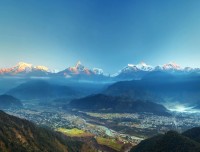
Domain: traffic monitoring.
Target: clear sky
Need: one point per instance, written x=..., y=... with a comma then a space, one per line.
x=107, y=34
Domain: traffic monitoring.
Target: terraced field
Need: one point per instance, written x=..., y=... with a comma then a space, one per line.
x=112, y=143
x=74, y=132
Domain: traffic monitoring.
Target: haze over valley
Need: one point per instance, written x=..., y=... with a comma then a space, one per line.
x=97, y=108
x=99, y=76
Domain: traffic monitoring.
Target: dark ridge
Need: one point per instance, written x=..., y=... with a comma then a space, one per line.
x=171, y=141
x=159, y=87
x=193, y=133
x=7, y=101
x=19, y=135
x=105, y=103
x=40, y=89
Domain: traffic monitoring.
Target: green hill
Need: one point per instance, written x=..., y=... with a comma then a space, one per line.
x=171, y=142
x=18, y=135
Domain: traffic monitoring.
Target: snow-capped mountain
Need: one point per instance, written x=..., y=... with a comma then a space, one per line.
x=145, y=67
x=98, y=71
x=171, y=66
x=80, y=70
x=137, y=71
x=133, y=71
x=137, y=67
x=23, y=68
x=189, y=69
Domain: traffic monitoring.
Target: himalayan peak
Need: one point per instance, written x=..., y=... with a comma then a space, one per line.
x=172, y=65
x=80, y=69
x=23, y=67
x=145, y=67
x=137, y=67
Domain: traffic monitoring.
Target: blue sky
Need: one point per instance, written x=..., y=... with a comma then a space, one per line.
x=107, y=34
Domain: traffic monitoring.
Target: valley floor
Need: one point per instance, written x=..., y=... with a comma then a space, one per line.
x=110, y=129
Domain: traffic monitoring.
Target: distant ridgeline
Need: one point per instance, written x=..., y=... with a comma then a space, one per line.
x=41, y=89
x=160, y=87
x=80, y=72
x=105, y=103
x=7, y=101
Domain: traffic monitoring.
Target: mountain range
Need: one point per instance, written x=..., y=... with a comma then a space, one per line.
x=23, y=69
x=80, y=72
x=159, y=87
x=41, y=89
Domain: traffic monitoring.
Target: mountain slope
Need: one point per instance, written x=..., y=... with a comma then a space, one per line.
x=193, y=133
x=80, y=72
x=25, y=69
x=159, y=86
x=171, y=141
x=105, y=103
x=39, y=89
x=132, y=71
x=20, y=135
x=7, y=101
